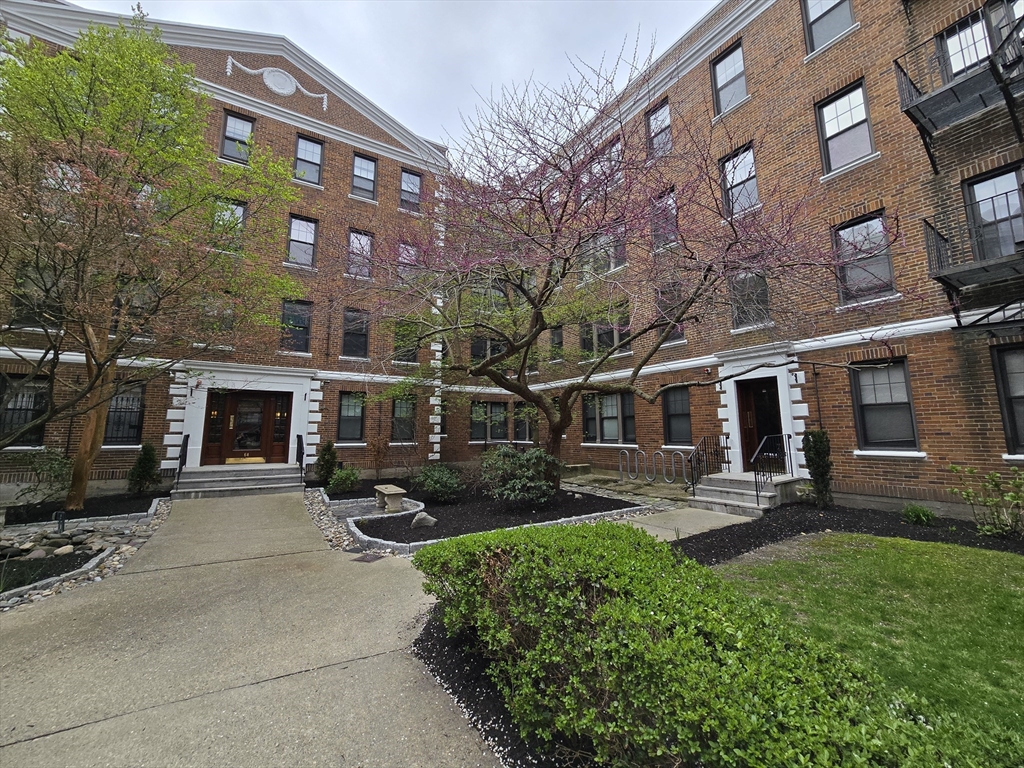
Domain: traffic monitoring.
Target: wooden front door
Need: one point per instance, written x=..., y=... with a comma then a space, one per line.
x=246, y=427
x=759, y=414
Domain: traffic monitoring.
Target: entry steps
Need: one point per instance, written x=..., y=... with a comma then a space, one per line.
x=733, y=493
x=237, y=480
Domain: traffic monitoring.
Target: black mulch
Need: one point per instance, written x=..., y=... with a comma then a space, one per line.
x=19, y=573
x=464, y=674
x=480, y=513
x=96, y=506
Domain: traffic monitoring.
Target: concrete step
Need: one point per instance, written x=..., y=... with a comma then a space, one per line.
x=741, y=508
x=237, y=480
x=742, y=480
x=746, y=495
x=238, y=490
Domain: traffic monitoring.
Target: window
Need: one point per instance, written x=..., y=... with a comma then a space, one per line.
x=302, y=241
x=407, y=343
x=863, y=263
x=360, y=252
x=364, y=177
x=668, y=302
x=739, y=182
x=826, y=20
x=605, y=254
x=408, y=260
x=659, y=131
x=355, y=340
x=488, y=421
x=36, y=298
x=608, y=418
x=1010, y=383
x=749, y=300
x=237, y=135
x=994, y=215
x=308, y=155
x=350, y=417
x=601, y=337
x=730, y=79
x=28, y=403
x=966, y=46
x=481, y=348
x=845, y=131
x=230, y=215
x=555, y=342
x=409, y=196
x=296, y=318
x=523, y=417
x=675, y=408
x=885, y=419
x=403, y=420
x=664, y=224
x=124, y=418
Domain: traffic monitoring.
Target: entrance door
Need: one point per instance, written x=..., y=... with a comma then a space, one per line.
x=246, y=427
x=759, y=414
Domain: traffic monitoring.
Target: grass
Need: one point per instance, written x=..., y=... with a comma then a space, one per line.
x=944, y=621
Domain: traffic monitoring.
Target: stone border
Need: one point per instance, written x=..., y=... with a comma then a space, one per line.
x=71, y=522
x=417, y=506
x=54, y=580
x=399, y=548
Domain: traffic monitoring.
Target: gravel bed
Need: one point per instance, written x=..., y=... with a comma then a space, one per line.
x=333, y=528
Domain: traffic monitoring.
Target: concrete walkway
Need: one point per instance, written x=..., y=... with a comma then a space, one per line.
x=684, y=521
x=235, y=637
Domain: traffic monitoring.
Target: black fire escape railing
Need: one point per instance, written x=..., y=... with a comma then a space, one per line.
x=182, y=458
x=770, y=460
x=710, y=456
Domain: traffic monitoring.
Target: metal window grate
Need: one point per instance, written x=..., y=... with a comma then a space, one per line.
x=124, y=419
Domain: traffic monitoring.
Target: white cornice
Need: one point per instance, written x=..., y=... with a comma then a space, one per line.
x=62, y=24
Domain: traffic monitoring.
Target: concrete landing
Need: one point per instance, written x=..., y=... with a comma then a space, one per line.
x=680, y=523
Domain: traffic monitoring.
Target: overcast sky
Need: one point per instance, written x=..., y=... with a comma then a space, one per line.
x=424, y=62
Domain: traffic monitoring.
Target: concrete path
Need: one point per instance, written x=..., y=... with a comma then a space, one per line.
x=234, y=637
x=683, y=522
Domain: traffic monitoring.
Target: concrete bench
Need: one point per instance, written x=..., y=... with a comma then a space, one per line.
x=389, y=497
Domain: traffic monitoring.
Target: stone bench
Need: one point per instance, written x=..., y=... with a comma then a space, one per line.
x=389, y=497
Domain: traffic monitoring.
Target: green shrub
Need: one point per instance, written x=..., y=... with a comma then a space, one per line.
x=599, y=638
x=145, y=472
x=52, y=470
x=514, y=475
x=441, y=483
x=916, y=514
x=818, y=455
x=343, y=480
x=997, y=504
x=326, y=462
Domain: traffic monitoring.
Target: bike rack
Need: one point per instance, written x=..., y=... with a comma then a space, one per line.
x=632, y=469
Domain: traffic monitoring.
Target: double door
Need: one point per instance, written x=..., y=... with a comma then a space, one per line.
x=759, y=414
x=246, y=427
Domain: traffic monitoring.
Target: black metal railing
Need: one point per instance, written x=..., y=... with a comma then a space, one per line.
x=182, y=458
x=927, y=67
x=985, y=230
x=770, y=460
x=300, y=453
x=710, y=456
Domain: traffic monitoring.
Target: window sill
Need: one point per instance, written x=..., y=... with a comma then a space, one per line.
x=834, y=41
x=601, y=275
x=665, y=247
x=750, y=328
x=406, y=363
x=310, y=184
x=417, y=214
x=292, y=265
x=1013, y=457
x=891, y=454
x=23, y=448
x=367, y=278
x=354, y=359
x=616, y=356
x=402, y=445
x=731, y=109
x=621, y=446
x=34, y=329
x=677, y=447
x=869, y=302
x=121, y=447
x=736, y=216
x=212, y=347
x=675, y=343
x=289, y=353
x=229, y=161
x=850, y=166
x=350, y=445
x=362, y=199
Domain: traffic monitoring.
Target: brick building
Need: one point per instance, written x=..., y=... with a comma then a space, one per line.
x=890, y=116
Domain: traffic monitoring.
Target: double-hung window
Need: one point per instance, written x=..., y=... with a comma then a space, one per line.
x=522, y=423
x=364, y=177
x=296, y=319
x=675, y=408
x=1010, y=384
x=883, y=411
x=994, y=215
x=664, y=220
x=826, y=20
x=408, y=261
x=608, y=418
x=607, y=253
x=555, y=343
x=409, y=196
x=27, y=403
x=845, y=128
x=302, y=241
x=669, y=299
x=308, y=159
x=730, y=79
x=488, y=421
x=237, y=135
x=739, y=182
x=403, y=420
x=350, y=417
x=601, y=337
x=124, y=418
x=360, y=252
x=407, y=343
x=659, y=131
x=863, y=262
x=749, y=300
x=355, y=341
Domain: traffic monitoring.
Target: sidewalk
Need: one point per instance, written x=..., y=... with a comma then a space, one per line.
x=234, y=637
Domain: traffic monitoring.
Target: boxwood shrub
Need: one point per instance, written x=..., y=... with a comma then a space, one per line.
x=597, y=635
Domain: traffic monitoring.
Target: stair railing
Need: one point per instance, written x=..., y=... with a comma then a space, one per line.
x=182, y=458
x=770, y=460
x=710, y=456
x=300, y=454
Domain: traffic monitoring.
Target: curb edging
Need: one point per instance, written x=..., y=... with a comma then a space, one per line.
x=54, y=580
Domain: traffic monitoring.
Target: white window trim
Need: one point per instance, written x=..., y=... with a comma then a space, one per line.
x=349, y=445
x=676, y=448
x=1013, y=457
x=23, y=448
x=749, y=328
x=620, y=446
x=732, y=108
x=869, y=454
x=308, y=184
x=393, y=445
x=121, y=447
x=851, y=166
x=841, y=36
x=363, y=200
x=674, y=343
x=354, y=359
x=869, y=302
x=417, y=214
x=303, y=267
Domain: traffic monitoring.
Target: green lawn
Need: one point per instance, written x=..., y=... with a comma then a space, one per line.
x=946, y=622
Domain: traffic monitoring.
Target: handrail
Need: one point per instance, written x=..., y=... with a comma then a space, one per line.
x=709, y=457
x=300, y=453
x=772, y=458
x=182, y=458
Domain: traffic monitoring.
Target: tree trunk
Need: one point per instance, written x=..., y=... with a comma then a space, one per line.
x=554, y=449
x=91, y=441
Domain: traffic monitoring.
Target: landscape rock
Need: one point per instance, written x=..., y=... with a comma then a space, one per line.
x=67, y=549
x=423, y=520
x=36, y=554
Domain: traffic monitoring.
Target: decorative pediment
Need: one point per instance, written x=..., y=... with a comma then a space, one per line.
x=277, y=80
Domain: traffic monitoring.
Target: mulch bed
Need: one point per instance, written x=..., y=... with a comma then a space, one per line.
x=19, y=573
x=464, y=674
x=477, y=512
x=96, y=506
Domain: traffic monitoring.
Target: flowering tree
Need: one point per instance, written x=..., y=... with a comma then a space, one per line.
x=124, y=246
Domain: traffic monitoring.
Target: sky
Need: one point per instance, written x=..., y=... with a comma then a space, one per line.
x=427, y=62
